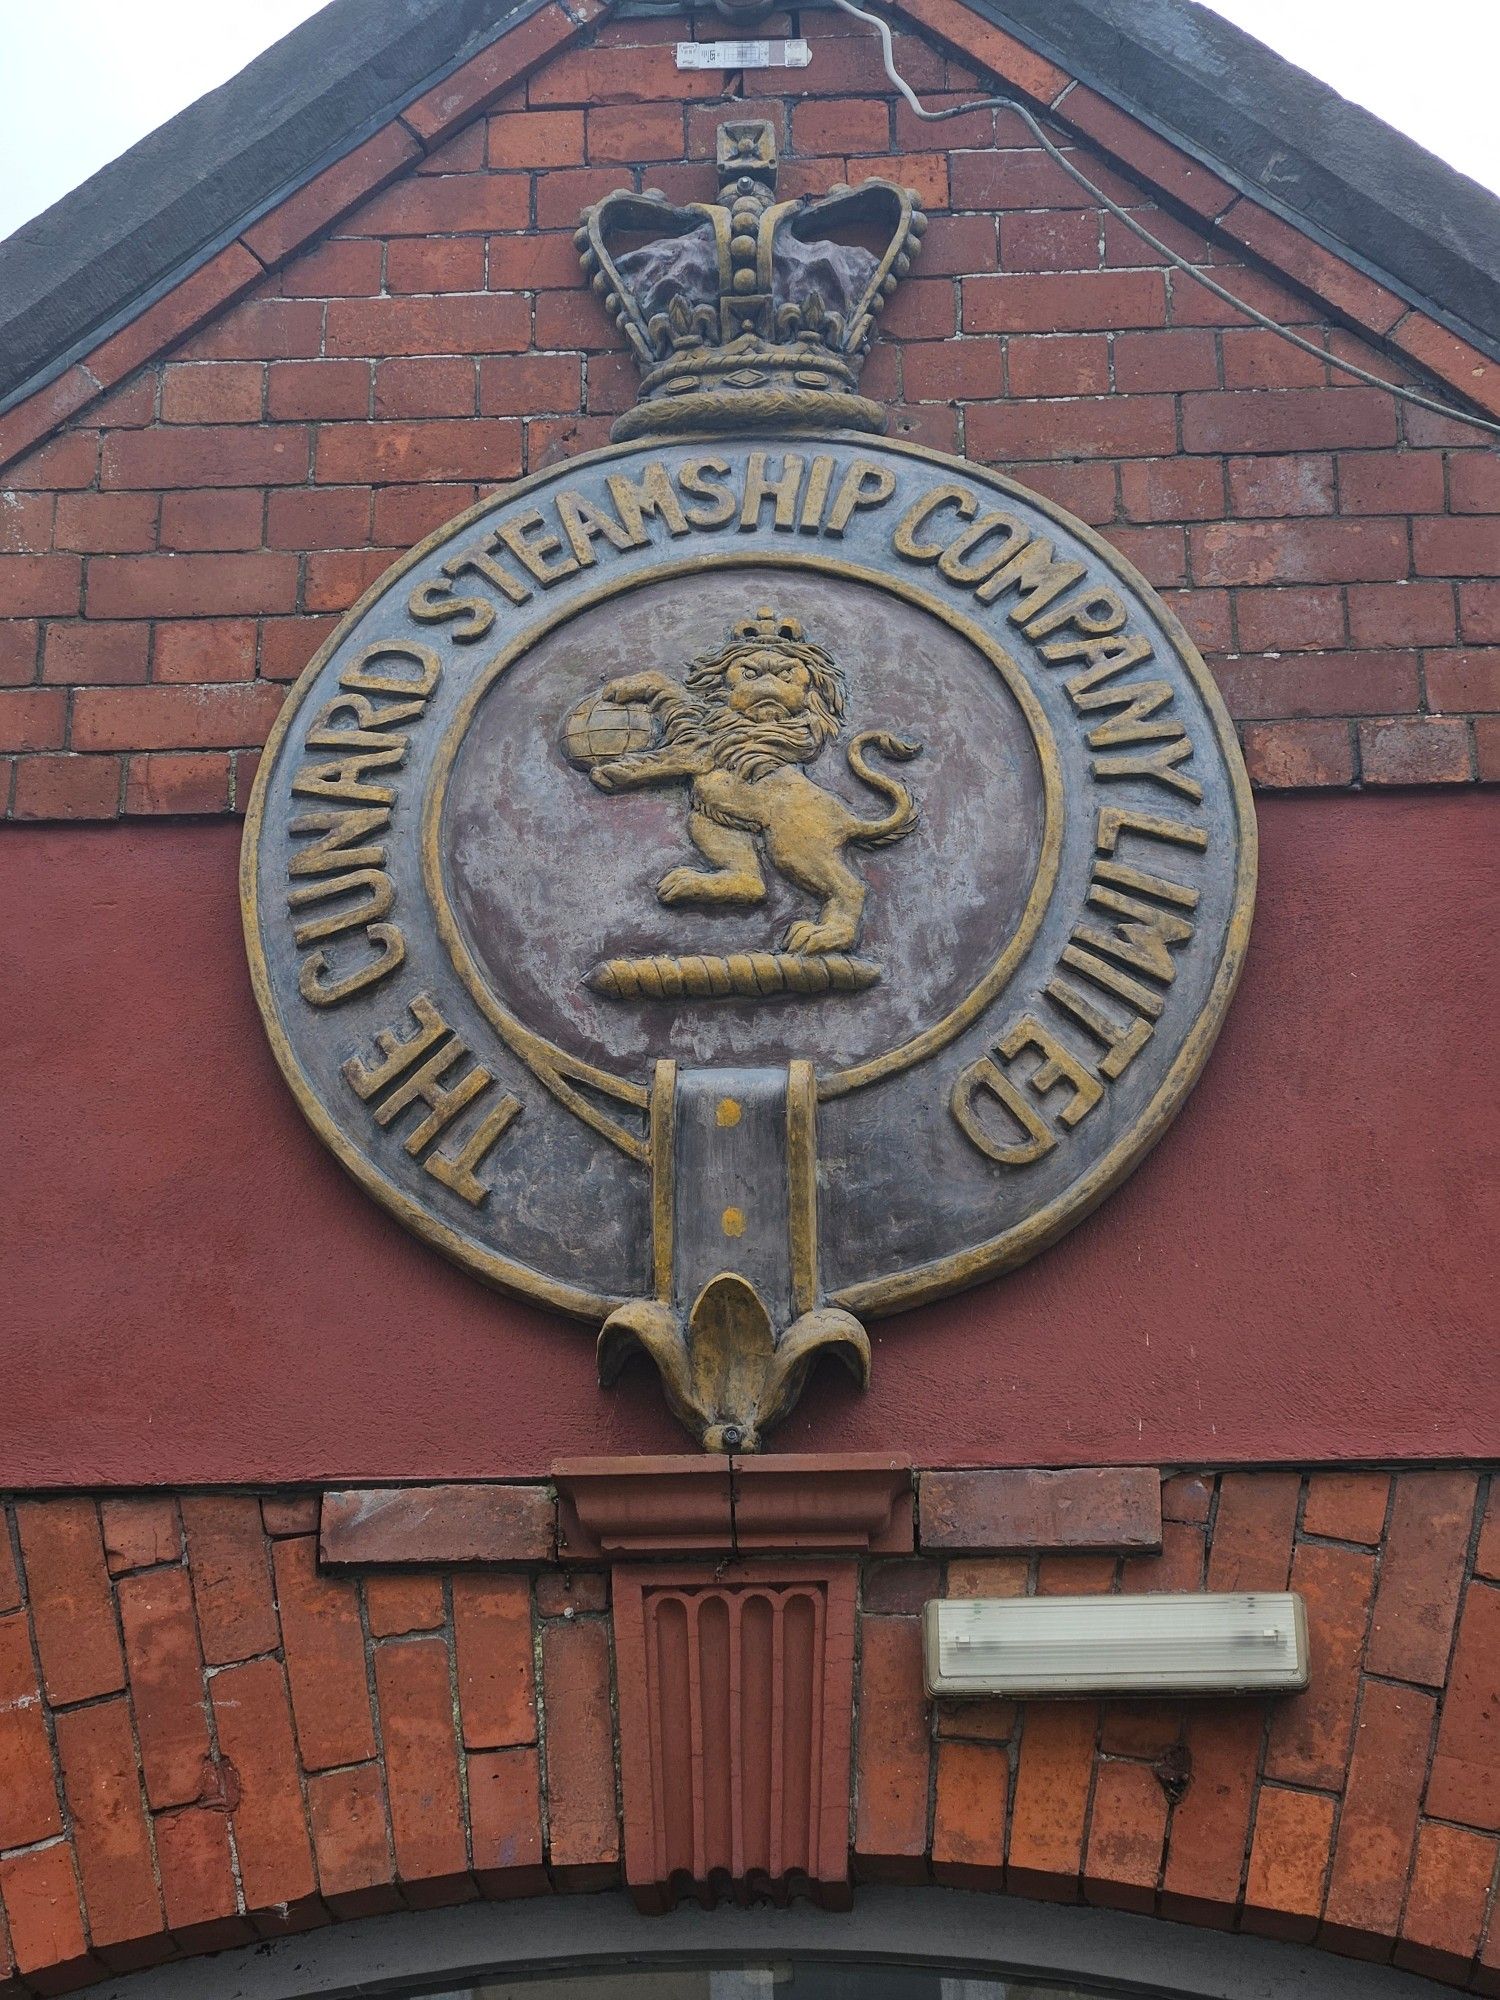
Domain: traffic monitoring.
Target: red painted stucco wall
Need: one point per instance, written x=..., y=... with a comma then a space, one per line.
x=1298, y=1273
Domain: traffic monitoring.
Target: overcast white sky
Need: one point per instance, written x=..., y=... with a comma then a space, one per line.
x=81, y=80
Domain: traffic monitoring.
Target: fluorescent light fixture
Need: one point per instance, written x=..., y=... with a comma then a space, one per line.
x=1237, y=1642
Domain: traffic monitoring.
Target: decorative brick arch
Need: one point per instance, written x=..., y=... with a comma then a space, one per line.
x=207, y=1737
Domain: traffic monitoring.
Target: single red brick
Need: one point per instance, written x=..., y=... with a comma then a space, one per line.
x=959, y=245
x=421, y=1758
x=626, y=133
x=325, y=1658
x=581, y=1804
x=212, y=392
x=1051, y=1799
x=1288, y=1859
x=901, y=1588
x=435, y=264
x=952, y=370
x=563, y=191
x=1319, y=684
x=1378, y=1822
x=1172, y=489
x=243, y=765
x=1415, y=750
x=1076, y=1576
x=492, y=1634
x=346, y=268
x=173, y=718
x=1298, y=756
x=192, y=1859
x=1300, y=551
x=10, y=1579
x=351, y=1833
x=405, y=514
x=1465, y=1781
x=97, y=1752
x=1456, y=547
x=18, y=651
x=32, y=718
x=1179, y=1566
x=1299, y=484
x=287, y=644
x=1176, y=359
x=1187, y=1496
x=1451, y=359
x=204, y=649
x=1252, y=1539
x=438, y=1524
x=1080, y=302
x=1479, y=612
x=1444, y=1916
x=1127, y=1828
x=1074, y=364
x=572, y=319
x=1085, y=490
x=1296, y=619
x=1011, y=176
x=1085, y=427
x=331, y=193
x=231, y=1584
x=1347, y=1506
x=1487, y=1554
x=1310, y=1732
x=28, y=1789
x=260, y=330
x=1401, y=614
x=128, y=407
x=528, y=384
x=989, y=1576
x=422, y=387
x=188, y=586
x=1463, y=680
x=1050, y=240
x=505, y=1814
x=211, y=519
x=1391, y=482
x=1210, y=1826
x=319, y=389
x=207, y=455
x=1205, y=613
x=334, y=578
x=290, y=1513
x=40, y=1899
x=599, y=76
x=401, y=452
x=840, y=125
x=540, y=261
x=565, y=1593
x=105, y=523
x=72, y=1609
x=66, y=787
x=397, y=1604
x=254, y=1722
x=320, y=517
x=1473, y=484
x=441, y=205
x=968, y=1824
x=42, y=586
x=1159, y=553
x=95, y=652
x=1255, y=420
x=529, y=140
x=166, y=1683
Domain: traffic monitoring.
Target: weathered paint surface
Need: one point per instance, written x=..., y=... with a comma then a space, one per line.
x=1302, y=1270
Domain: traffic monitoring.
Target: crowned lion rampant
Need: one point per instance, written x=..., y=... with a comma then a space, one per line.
x=739, y=729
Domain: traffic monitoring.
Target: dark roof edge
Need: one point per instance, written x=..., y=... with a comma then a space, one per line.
x=1324, y=164
x=86, y=265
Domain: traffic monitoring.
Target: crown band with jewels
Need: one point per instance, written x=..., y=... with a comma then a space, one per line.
x=747, y=313
x=767, y=626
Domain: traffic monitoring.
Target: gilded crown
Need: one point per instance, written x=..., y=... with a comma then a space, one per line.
x=766, y=626
x=747, y=312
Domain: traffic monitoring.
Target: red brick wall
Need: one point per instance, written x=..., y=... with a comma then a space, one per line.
x=175, y=553
x=190, y=1757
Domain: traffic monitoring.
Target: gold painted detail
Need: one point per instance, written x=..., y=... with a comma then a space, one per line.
x=745, y=975
x=749, y=313
x=737, y=730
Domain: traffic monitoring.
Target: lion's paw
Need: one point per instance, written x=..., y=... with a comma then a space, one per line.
x=810, y=937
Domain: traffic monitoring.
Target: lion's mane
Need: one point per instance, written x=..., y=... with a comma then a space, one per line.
x=748, y=747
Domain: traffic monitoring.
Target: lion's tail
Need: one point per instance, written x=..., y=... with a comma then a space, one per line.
x=902, y=817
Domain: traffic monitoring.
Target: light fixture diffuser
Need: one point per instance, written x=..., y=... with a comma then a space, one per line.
x=1235, y=1642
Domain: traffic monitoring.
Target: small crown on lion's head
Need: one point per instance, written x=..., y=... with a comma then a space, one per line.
x=767, y=627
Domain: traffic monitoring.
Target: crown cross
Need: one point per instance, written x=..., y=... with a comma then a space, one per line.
x=749, y=313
